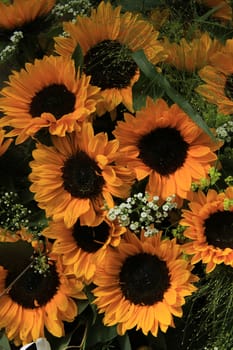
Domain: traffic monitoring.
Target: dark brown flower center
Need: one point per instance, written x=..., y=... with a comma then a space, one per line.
x=219, y=229
x=110, y=65
x=144, y=279
x=33, y=289
x=229, y=87
x=163, y=150
x=91, y=238
x=55, y=99
x=82, y=176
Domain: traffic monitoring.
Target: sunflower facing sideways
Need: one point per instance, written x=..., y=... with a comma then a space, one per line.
x=83, y=247
x=218, y=78
x=76, y=177
x=107, y=40
x=191, y=55
x=164, y=144
x=4, y=142
x=209, y=227
x=46, y=94
x=20, y=12
x=35, y=301
x=142, y=284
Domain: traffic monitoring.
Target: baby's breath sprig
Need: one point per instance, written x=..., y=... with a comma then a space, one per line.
x=41, y=264
x=11, y=48
x=141, y=213
x=13, y=215
x=225, y=132
x=64, y=10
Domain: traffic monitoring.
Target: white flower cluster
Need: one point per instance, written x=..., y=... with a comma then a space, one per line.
x=41, y=265
x=13, y=215
x=71, y=9
x=139, y=213
x=225, y=131
x=12, y=47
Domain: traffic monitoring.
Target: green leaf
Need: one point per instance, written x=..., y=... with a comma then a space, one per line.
x=139, y=5
x=142, y=88
x=77, y=56
x=82, y=305
x=98, y=333
x=158, y=342
x=124, y=342
x=90, y=296
x=4, y=343
x=210, y=12
x=58, y=343
x=162, y=83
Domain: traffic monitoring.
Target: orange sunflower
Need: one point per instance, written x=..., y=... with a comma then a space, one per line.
x=83, y=247
x=20, y=12
x=47, y=94
x=77, y=176
x=4, y=143
x=218, y=77
x=36, y=301
x=210, y=222
x=191, y=55
x=107, y=40
x=143, y=284
x=164, y=144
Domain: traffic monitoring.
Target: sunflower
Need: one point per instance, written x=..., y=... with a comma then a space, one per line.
x=218, y=77
x=83, y=247
x=19, y=12
x=36, y=301
x=107, y=40
x=165, y=144
x=4, y=143
x=142, y=284
x=77, y=176
x=210, y=222
x=47, y=94
x=191, y=55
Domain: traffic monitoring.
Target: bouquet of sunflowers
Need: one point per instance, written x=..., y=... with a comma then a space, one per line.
x=116, y=175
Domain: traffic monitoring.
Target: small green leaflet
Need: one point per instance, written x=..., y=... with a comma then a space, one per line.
x=77, y=56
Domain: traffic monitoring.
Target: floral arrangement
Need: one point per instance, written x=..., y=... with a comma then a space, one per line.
x=116, y=175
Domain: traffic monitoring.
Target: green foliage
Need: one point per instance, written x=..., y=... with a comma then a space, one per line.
x=210, y=319
x=208, y=314
x=4, y=343
x=187, y=18
x=124, y=342
x=145, y=87
x=77, y=56
x=141, y=6
x=148, y=69
x=98, y=333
